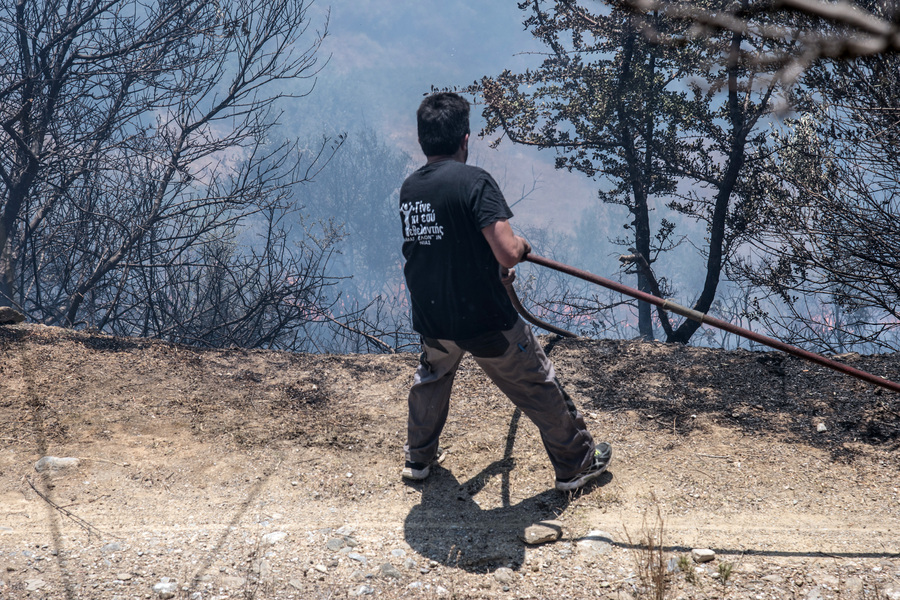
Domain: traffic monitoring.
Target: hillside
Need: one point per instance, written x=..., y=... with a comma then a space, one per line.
x=255, y=474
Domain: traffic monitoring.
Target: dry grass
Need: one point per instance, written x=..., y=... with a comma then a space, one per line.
x=650, y=558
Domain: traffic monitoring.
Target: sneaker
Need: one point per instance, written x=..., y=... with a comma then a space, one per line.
x=419, y=471
x=598, y=466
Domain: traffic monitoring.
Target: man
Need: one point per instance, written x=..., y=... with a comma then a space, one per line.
x=458, y=244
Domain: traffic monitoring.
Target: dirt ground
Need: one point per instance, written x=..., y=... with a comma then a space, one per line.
x=255, y=474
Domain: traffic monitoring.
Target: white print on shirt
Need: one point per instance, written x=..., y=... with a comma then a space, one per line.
x=420, y=222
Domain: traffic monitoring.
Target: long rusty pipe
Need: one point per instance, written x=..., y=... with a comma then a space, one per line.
x=517, y=304
x=708, y=320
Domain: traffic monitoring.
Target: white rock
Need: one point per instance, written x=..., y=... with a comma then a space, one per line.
x=702, y=555
x=854, y=586
x=504, y=575
x=335, y=544
x=33, y=585
x=363, y=590
x=270, y=539
x=821, y=428
x=542, y=532
x=389, y=571
x=111, y=547
x=815, y=594
x=55, y=463
x=166, y=588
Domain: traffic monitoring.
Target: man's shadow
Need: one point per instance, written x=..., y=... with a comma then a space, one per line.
x=448, y=525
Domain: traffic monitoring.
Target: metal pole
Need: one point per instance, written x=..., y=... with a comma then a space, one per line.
x=708, y=320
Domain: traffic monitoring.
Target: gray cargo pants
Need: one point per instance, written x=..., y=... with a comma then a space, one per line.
x=524, y=373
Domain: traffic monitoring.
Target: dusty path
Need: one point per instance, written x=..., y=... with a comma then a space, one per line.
x=261, y=474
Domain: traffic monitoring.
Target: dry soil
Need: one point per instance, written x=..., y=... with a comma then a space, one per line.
x=262, y=474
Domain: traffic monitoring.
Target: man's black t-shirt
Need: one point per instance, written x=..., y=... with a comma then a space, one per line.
x=451, y=273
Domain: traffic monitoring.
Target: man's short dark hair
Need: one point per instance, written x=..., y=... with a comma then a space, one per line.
x=443, y=120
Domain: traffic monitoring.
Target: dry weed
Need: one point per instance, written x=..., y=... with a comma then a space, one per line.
x=649, y=556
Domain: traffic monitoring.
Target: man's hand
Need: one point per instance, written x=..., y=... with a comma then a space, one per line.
x=507, y=276
x=527, y=250
x=509, y=249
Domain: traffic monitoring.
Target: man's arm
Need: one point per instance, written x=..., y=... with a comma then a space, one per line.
x=509, y=249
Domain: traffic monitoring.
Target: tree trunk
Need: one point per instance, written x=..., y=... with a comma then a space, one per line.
x=726, y=187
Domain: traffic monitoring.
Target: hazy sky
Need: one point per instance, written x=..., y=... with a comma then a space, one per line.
x=385, y=54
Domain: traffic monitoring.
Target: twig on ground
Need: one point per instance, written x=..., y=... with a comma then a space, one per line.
x=78, y=520
x=702, y=472
x=103, y=460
